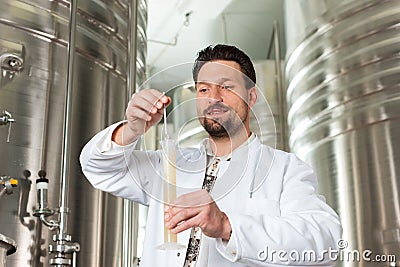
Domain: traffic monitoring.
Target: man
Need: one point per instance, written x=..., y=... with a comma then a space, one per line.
x=240, y=203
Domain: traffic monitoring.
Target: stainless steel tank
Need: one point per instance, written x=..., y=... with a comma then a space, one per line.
x=33, y=40
x=344, y=105
x=299, y=15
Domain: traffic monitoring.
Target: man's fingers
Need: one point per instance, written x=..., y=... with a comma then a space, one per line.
x=147, y=105
x=161, y=97
x=156, y=117
x=144, y=110
x=146, y=102
x=185, y=225
x=195, y=199
x=174, y=218
x=137, y=113
x=154, y=97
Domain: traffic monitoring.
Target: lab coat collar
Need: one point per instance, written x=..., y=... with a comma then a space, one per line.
x=240, y=170
x=207, y=148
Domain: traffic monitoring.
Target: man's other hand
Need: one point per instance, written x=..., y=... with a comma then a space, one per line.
x=197, y=209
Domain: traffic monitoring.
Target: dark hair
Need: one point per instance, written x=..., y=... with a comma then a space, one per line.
x=226, y=52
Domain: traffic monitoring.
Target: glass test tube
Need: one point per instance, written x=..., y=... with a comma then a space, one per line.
x=169, y=190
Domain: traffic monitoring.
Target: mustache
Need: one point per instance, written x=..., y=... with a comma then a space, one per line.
x=217, y=106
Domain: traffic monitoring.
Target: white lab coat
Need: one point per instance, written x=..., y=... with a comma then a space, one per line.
x=268, y=195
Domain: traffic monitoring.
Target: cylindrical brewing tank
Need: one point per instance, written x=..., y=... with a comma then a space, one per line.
x=33, y=50
x=344, y=105
x=265, y=121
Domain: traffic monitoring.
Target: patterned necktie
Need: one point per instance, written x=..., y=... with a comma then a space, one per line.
x=193, y=249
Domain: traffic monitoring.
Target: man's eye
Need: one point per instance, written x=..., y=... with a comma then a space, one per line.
x=227, y=87
x=202, y=90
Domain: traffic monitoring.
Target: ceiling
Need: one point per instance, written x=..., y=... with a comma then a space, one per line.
x=178, y=29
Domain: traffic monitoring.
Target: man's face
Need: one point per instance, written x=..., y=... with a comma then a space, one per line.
x=223, y=102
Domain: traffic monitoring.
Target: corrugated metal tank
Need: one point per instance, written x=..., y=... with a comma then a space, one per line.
x=344, y=105
x=35, y=33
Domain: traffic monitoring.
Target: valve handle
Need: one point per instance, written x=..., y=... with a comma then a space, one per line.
x=6, y=118
x=8, y=184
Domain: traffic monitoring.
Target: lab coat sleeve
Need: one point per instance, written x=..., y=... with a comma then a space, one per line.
x=302, y=235
x=119, y=170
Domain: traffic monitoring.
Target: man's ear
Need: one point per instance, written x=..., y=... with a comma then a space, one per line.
x=252, y=96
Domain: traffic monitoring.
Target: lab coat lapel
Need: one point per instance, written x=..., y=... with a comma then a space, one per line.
x=263, y=167
x=233, y=172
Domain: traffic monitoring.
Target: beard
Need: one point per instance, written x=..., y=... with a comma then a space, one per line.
x=214, y=128
x=223, y=127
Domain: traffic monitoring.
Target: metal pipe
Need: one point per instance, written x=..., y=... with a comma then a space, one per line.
x=279, y=84
x=275, y=42
x=132, y=48
x=74, y=259
x=67, y=120
x=43, y=154
x=51, y=224
x=129, y=245
x=224, y=28
x=129, y=225
x=271, y=42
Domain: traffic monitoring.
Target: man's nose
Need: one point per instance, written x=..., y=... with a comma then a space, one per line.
x=215, y=94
